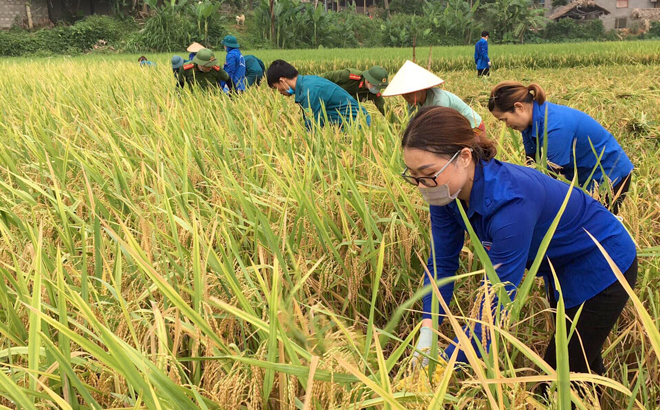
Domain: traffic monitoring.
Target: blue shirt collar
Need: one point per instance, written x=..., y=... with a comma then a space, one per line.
x=536, y=129
x=298, y=92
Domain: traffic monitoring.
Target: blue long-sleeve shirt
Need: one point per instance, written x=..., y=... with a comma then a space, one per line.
x=566, y=125
x=235, y=67
x=481, y=58
x=313, y=93
x=511, y=208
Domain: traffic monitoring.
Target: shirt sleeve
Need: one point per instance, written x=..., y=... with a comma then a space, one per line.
x=231, y=65
x=485, y=47
x=511, y=231
x=223, y=75
x=333, y=76
x=379, y=101
x=476, y=52
x=455, y=102
x=448, y=238
x=561, y=135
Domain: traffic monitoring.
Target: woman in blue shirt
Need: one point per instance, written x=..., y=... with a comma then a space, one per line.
x=524, y=109
x=511, y=208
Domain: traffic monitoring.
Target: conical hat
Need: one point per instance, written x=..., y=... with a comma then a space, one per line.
x=411, y=78
x=195, y=47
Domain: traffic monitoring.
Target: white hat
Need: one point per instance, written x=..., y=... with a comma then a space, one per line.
x=195, y=47
x=411, y=78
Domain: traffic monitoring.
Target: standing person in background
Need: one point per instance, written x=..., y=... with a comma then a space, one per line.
x=318, y=97
x=235, y=63
x=362, y=85
x=254, y=70
x=481, y=58
x=418, y=87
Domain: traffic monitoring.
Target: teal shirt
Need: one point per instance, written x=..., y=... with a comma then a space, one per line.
x=436, y=97
x=313, y=93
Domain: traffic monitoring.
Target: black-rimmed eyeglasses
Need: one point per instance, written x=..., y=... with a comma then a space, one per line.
x=426, y=181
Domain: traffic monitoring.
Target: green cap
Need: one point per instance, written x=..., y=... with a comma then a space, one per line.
x=205, y=58
x=230, y=41
x=377, y=76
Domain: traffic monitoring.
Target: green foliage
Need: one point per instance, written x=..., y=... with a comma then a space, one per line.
x=570, y=30
x=654, y=31
x=176, y=25
x=452, y=22
x=408, y=6
x=510, y=20
x=300, y=25
x=62, y=39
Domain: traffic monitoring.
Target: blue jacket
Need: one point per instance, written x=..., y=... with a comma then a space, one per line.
x=235, y=67
x=481, y=54
x=314, y=93
x=566, y=125
x=510, y=209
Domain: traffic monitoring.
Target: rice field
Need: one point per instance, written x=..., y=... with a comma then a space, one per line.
x=165, y=250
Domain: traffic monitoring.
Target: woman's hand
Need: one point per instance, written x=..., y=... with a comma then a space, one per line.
x=423, y=346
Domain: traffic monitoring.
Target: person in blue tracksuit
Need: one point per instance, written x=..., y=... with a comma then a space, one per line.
x=523, y=108
x=317, y=96
x=511, y=207
x=481, y=58
x=254, y=70
x=235, y=63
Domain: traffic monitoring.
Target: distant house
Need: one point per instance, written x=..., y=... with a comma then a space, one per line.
x=14, y=11
x=362, y=6
x=44, y=12
x=615, y=14
x=646, y=16
x=581, y=10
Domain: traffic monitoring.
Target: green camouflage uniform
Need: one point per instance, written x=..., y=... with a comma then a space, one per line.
x=353, y=82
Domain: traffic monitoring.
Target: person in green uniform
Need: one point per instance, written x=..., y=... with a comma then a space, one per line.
x=254, y=70
x=362, y=85
x=419, y=88
x=204, y=72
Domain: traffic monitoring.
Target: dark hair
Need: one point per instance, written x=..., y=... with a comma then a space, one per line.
x=142, y=58
x=279, y=69
x=485, y=33
x=444, y=131
x=507, y=93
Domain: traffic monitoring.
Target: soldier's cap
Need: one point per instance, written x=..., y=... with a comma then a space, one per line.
x=194, y=47
x=411, y=78
x=230, y=41
x=377, y=76
x=177, y=62
x=205, y=58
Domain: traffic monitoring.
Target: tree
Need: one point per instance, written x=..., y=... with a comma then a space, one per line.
x=511, y=19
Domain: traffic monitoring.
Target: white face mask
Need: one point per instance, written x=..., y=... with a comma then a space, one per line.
x=438, y=195
x=374, y=90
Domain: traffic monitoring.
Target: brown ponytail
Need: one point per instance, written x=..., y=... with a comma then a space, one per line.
x=507, y=93
x=444, y=131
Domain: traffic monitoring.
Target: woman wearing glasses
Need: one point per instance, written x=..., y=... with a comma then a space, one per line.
x=510, y=208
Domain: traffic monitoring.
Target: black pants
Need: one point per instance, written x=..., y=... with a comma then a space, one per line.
x=483, y=71
x=622, y=185
x=597, y=319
